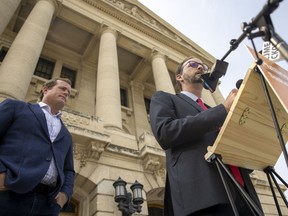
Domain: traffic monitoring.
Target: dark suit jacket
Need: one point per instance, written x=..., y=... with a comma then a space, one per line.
x=185, y=132
x=26, y=150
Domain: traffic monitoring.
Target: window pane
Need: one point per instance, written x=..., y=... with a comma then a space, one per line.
x=147, y=104
x=123, y=96
x=44, y=68
x=69, y=74
x=3, y=53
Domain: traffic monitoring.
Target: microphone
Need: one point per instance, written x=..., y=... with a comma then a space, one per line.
x=238, y=83
x=210, y=80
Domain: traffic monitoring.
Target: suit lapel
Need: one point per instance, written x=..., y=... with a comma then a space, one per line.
x=62, y=132
x=39, y=114
x=36, y=109
x=190, y=101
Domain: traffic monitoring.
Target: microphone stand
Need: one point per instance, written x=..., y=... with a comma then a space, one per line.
x=263, y=22
x=266, y=30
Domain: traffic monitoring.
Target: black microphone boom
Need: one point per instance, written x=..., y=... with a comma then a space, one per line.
x=210, y=80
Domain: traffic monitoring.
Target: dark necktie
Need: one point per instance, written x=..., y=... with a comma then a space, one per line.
x=235, y=170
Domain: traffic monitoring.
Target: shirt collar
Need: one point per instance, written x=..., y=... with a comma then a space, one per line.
x=190, y=95
x=48, y=109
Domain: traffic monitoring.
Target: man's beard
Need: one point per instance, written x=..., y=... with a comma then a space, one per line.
x=196, y=81
x=193, y=79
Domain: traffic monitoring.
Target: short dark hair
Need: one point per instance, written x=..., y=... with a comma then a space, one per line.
x=51, y=83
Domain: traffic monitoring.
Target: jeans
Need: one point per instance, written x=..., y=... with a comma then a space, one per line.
x=28, y=204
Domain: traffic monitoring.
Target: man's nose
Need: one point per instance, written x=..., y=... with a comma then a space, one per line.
x=66, y=93
x=200, y=67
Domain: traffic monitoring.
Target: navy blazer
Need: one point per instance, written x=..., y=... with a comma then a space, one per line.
x=185, y=132
x=26, y=149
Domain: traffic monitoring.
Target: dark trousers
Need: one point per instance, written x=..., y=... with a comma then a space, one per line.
x=217, y=210
x=28, y=204
x=225, y=210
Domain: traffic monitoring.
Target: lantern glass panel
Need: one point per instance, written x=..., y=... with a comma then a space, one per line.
x=120, y=190
x=137, y=193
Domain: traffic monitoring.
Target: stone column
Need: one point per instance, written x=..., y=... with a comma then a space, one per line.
x=57, y=68
x=7, y=9
x=87, y=84
x=108, y=104
x=18, y=66
x=217, y=95
x=208, y=98
x=141, y=116
x=161, y=74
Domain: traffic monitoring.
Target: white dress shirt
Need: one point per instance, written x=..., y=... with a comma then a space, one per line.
x=54, y=127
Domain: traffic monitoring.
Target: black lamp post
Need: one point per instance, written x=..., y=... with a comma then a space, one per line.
x=126, y=204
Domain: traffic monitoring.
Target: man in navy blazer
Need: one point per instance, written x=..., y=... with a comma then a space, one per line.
x=184, y=130
x=36, y=157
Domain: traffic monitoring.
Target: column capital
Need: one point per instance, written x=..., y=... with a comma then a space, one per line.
x=108, y=29
x=157, y=54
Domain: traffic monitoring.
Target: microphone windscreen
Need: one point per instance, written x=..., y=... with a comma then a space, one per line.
x=238, y=83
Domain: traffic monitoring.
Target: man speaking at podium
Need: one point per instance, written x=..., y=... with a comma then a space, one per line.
x=185, y=127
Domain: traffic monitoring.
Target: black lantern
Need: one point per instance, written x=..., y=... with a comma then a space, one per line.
x=126, y=204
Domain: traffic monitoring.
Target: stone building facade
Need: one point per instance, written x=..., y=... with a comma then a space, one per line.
x=117, y=53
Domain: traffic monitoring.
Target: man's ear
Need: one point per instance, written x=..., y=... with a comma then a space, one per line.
x=44, y=89
x=179, y=77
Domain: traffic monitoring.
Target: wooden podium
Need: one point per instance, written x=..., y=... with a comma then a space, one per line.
x=250, y=136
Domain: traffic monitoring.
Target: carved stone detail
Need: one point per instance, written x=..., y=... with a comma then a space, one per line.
x=92, y=151
x=88, y=134
x=81, y=154
x=72, y=118
x=147, y=139
x=151, y=162
x=142, y=16
x=122, y=150
x=96, y=149
x=160, y=176
x=152, y=154
x=80, y=119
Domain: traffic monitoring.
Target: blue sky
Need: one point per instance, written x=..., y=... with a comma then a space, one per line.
x=212, y=24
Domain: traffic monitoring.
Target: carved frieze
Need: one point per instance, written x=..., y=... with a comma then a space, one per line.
x=140, y=15
x=122, y=150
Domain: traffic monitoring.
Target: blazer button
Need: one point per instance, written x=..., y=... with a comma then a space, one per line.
x=48, y=158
